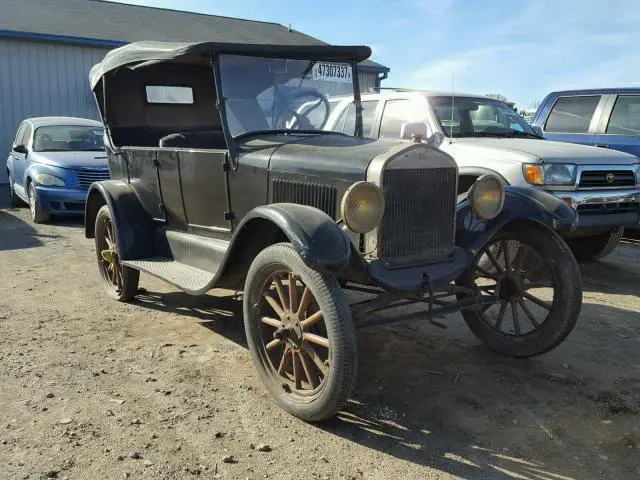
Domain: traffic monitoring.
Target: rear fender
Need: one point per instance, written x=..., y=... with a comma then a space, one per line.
x=528, y=204
x=133, y=227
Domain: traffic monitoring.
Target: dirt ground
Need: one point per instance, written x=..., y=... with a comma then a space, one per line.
x=164, y=388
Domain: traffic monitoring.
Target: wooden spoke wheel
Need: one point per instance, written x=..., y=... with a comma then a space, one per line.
x=536, y=283
x=300, y=333
x=119, y=282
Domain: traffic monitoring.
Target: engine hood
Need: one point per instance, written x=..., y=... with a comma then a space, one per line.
x=327, y=158
x=70, y=159
x=533, y=150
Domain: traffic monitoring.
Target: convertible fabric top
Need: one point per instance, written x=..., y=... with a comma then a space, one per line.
x=156, y=52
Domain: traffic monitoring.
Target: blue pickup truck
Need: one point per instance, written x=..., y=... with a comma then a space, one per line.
x=606, y=118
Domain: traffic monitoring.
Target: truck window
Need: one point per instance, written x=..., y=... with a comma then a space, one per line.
x=368, y=115
x=625, y=118
x=572, y=114
x=397, y=112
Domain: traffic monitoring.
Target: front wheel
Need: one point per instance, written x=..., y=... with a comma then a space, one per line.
x=300, y=334
x=37, y=215
x=15, y=200
x=119, y=282
x=592, y=248
x=533, y=276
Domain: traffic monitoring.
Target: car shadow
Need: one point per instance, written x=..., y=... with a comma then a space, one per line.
x=16, y=234
x=617, y=274
x=424, y=398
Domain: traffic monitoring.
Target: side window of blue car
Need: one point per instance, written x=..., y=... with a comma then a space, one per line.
x=572, y=114
x=625, y=118
x=20, y=134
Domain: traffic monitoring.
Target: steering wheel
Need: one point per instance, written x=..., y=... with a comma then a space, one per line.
x=291, y=119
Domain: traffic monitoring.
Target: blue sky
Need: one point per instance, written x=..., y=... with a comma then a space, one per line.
x=522, y=50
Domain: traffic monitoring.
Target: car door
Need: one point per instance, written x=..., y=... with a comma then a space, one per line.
x=20, y=160
x=619, y=128
x=574, y=118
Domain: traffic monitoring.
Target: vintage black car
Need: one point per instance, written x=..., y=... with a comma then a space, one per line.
x=222, y=176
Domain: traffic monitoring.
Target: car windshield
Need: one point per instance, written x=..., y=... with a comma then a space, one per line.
x=68, y=138
x=479, y=117
x=263, y=94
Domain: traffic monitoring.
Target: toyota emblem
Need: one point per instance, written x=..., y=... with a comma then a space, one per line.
x=611, y=178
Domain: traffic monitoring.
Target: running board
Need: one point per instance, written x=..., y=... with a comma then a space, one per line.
x=190, y=279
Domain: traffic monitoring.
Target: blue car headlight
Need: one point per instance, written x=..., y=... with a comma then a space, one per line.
x=48, y=180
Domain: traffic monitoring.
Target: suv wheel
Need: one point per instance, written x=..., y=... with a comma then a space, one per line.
x=595, y=247
x=538, y=287
x=300, y=334
x=37, y=215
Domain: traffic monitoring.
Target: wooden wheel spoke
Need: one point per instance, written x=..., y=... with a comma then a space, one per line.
x=486, y=273
x=272, y=322
x=494, y=260
x=536, y=300
x=516, y=319
x=309, y=350
x=283, y=361
x=304, y=302
x=528, y=313
x=280, y=289
x=505, y=252
x=503, y=310
x=307, y=370
x=274, y=304
x=293, y=293
x=311, y=320
x=521, y=254
x=297, y=374
x=317, y=339
x=273, y=344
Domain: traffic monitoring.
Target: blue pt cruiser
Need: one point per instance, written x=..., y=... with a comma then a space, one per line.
x=52, y=163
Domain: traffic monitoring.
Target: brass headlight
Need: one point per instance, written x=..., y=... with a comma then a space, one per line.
x=362, y=207
x=487, y=197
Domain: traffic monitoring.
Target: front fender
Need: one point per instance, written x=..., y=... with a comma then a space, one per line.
x=317, y=238
x=133, y=227
x=519, y=204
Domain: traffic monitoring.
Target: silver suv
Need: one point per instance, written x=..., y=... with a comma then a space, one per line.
x=487, y=136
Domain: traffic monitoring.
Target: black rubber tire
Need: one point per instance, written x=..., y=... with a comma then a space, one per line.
x=593, y=248
x=130, y=276
x=37, y=215
x=565, y=311
x=16, y=201
x=340, y=329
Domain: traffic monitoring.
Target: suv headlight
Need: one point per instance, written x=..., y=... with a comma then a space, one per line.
x=48, y=180
x=362, y=207
x=549, y=174
x=486, y=197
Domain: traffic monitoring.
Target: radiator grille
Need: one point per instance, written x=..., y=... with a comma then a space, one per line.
x=323, y=197
x=607, y=178
x=86, y=177
x=419, y=213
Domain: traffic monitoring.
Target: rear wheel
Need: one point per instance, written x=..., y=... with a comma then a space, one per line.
x=15, y=200
x=37, y=215
x=119, y=282
x=536, y=282
x=595, y=247
x=300, y=334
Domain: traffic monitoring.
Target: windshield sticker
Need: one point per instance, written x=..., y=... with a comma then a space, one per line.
x=333, y=72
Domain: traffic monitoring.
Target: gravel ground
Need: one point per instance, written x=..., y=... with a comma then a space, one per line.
x=164, y=388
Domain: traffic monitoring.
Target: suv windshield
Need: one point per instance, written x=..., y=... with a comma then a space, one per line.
x=67, y=138
x=479, y=117
x=280, y=94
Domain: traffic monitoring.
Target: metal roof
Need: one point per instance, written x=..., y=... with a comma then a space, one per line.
x=112, y=24
x=73, y=121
